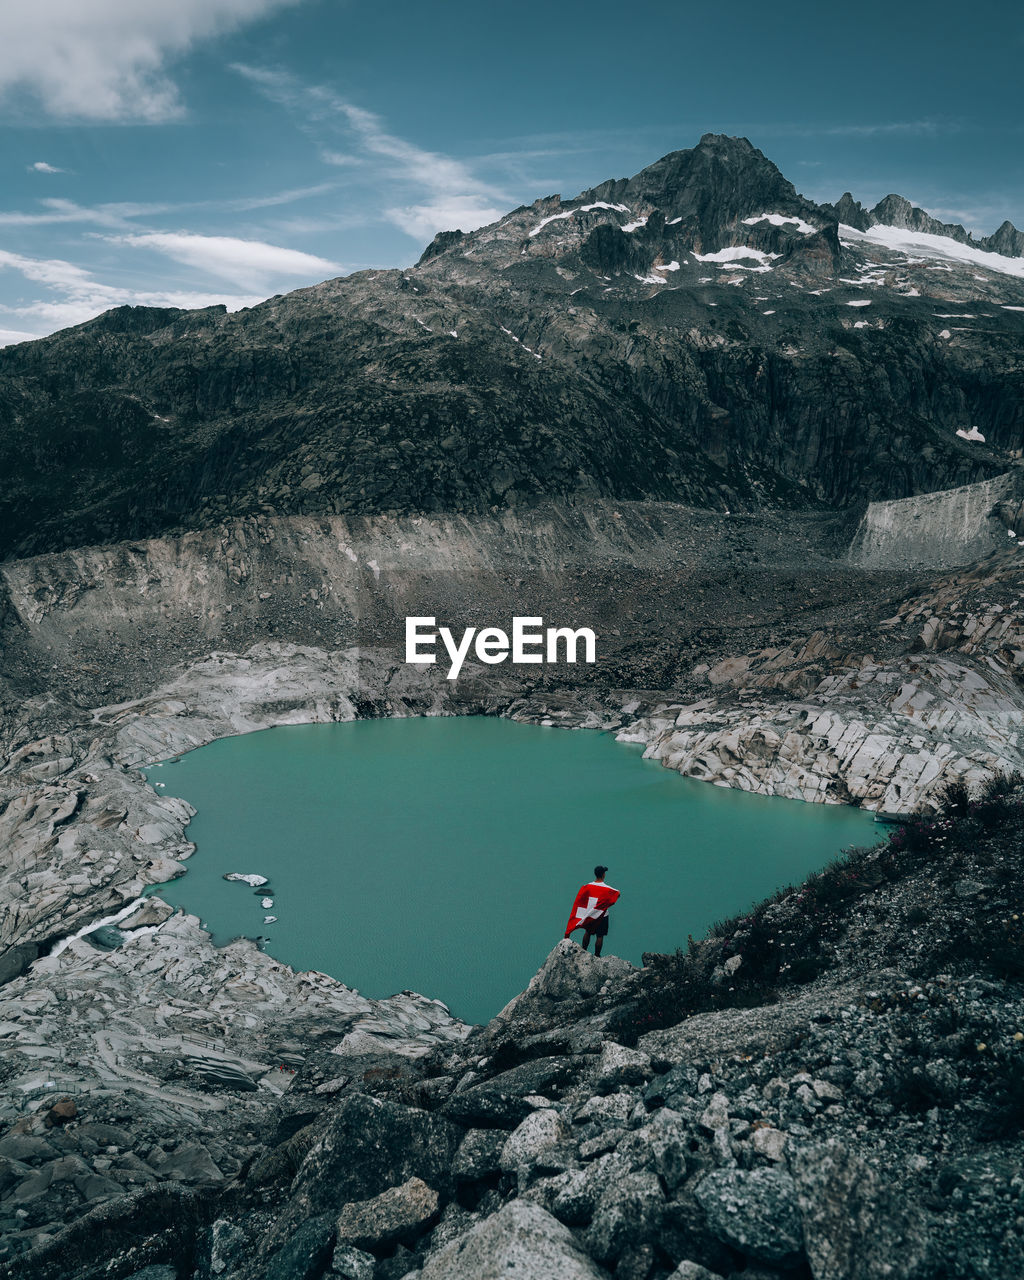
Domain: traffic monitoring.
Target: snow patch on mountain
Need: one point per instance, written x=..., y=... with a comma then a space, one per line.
x=780, y=220
x=901, y=240
x=730, y=259
x=586, y=208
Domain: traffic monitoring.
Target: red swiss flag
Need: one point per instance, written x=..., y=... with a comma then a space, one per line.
x=592, y=902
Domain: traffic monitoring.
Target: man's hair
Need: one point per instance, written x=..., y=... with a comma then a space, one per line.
x=600, y=871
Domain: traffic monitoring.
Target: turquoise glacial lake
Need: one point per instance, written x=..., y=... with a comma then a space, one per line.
x=442, y=855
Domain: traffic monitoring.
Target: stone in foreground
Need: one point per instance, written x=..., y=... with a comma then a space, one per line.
x=522, y=1241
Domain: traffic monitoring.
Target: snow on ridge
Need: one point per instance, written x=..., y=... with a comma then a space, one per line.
x=924, y=242
x=586, y=208
x=780, y=220
x=632, y=226
x=729, y=259
x=860, y=302
x=735, y=251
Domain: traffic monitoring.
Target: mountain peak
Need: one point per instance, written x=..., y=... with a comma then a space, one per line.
x=707, y=187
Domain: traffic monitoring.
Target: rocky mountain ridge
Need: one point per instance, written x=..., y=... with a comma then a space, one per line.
x=897, y=211
x=696, y=333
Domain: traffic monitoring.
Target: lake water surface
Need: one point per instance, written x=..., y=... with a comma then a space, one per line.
x=442, y=855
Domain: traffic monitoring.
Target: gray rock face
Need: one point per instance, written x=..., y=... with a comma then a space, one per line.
x=190, y=1163
x=522, y=1241
x=399, y=1214
x=854, y=1228
x=619, y=1065
x=479, y=1154
x=368, y=1148
x=305, y=1254
x=755, y=1212
x=352, y=1264
x=527, y=1144
x=568, y=973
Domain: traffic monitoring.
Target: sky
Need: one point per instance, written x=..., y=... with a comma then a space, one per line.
x=190, y=152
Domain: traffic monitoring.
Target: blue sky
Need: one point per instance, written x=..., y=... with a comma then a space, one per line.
x=183, y=152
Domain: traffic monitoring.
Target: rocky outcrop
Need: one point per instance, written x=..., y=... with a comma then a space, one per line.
x=939, y=530
x=882, y=736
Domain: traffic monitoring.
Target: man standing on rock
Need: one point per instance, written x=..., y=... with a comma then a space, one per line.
x=590, y=910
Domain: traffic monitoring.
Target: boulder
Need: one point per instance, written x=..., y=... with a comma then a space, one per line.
x=190, y=1163
x=479, y=1155
x=673, y=1089
x=399, y=1214
x=525, y=1147
x=349, y=1263
x=153, y=911
x=576, y=1203
x=521, y=1241
x=16, y=959
x=619, y=1065
x=627, y=1216
x=769, y=1142
x=660, y=1146
x=95, y=1186
x=857, y=1226
x=63, y=1110
x=27, y=1147
x=367, y=1147
x=755, y=1211
x=568, y=973
x=503, y=1101
x=305, y=1255
x=11, y=1173
x=693, y=1271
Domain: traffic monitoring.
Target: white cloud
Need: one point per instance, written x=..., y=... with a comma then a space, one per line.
x=9, y=336
x=119, y=215
x=250, y=264
x=76, y=296
x=339, y=158
x=107, y=59
x=424, y=221
x=445, y=193
x=41, y=166
x=55, y=210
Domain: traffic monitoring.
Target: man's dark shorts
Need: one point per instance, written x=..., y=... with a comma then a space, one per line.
x=599, y=928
